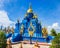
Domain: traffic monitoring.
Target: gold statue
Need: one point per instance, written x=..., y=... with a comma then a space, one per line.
x=45, y=32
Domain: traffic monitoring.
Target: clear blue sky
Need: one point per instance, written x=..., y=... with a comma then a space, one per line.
x=48, y=11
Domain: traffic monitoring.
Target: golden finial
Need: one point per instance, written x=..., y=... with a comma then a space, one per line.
x=35, y=16
x=30, y=9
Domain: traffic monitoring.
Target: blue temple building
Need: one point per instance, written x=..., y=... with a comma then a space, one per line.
x=30, y=26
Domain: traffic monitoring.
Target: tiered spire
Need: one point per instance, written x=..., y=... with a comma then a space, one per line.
x=30, y=9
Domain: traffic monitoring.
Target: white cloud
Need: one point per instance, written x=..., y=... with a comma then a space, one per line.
x=4, y=19
x=55, y=26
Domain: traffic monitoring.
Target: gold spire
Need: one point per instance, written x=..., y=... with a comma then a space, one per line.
x=30, y=9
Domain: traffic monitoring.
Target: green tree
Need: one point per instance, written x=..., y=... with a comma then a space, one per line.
x=2, y=39
x=53, y=32
x=56, y=42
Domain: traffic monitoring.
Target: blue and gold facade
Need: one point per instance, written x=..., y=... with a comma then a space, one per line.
x=30, y=26
x=31, y=22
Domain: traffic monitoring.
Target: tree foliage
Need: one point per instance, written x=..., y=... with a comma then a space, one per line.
x=56, y=42
x=53, y=32
x=2, y=39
